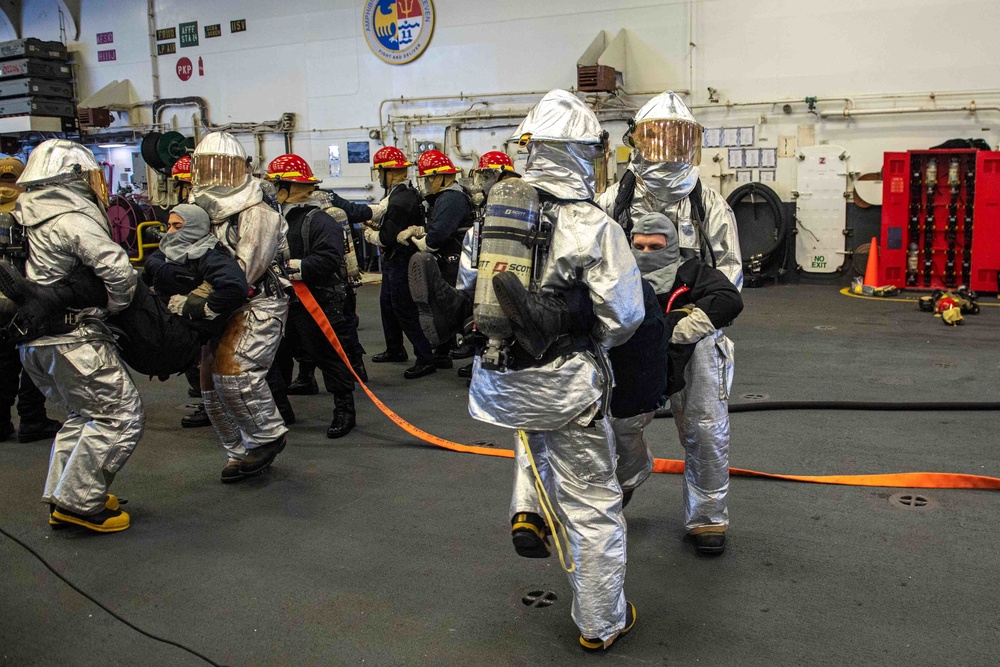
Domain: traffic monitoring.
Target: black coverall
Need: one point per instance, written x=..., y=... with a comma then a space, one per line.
x=15, y=385
x=356, y=214
x=399, y=312
x=323, y=272
x=218, y=269
x=450, y=217
x=697, y=285
x=648, y=366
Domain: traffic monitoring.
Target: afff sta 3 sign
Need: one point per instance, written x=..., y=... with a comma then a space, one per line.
x=398, y=31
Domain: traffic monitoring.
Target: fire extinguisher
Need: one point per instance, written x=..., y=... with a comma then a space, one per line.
x=201, y=67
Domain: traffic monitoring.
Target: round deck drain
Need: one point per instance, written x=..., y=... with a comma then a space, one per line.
x=754, y=397
x=539, y=599
x=911, y=501
x=825, y=327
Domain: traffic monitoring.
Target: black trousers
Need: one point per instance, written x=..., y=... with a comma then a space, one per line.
x=396, y=301
x=304, y=338
x=16, y=386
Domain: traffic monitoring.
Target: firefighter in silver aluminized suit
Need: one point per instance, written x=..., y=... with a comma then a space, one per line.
x=236, y=395
x=560, y=403
x=663, y=178
x=76, y=362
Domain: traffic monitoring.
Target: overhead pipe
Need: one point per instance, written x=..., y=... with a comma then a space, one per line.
x=200, y=102
x=496, y=120
x=462, y=97
x=972, y=108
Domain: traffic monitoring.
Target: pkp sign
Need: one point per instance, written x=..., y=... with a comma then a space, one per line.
x=184, y=69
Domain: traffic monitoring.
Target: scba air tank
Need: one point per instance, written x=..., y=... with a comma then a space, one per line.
x=511, y=216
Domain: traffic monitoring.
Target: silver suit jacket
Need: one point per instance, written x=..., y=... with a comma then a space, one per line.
x=587, y=247
x=719, y=227
x=66, y=229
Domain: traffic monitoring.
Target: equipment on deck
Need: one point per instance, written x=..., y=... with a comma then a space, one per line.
x=941, y=219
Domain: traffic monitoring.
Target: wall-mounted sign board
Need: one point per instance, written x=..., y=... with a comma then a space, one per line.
x=189, y=34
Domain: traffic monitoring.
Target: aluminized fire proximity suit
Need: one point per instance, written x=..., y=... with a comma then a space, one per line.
x=237, y=398
x=66, y=228
x=663, y=184
x=561, y=404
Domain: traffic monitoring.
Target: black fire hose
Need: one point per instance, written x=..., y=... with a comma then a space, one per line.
x=752, y=228
x=916, y=406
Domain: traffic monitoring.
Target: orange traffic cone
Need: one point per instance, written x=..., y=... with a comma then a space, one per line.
x=871, y=271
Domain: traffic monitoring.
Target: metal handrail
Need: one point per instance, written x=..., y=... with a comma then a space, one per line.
x=145, y=246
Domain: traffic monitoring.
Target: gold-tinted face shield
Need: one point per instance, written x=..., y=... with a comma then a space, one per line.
x=216, y=170
x=99, y=184
x=9, y=191
x=668, y=140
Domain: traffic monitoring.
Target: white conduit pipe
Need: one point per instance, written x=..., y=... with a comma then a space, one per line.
x=970, y=109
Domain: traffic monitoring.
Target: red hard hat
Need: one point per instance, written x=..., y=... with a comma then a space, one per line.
x=290, y=167
x=431, y=163
x=181, y=171
x=946, y=303
x=390, y=157
x=496, y=160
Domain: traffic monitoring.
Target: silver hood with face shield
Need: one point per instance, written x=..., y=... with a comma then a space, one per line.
x=667, y=149
x=566, y=146
x=54, y=158
x=64, y=162
x=221, y=183
x=46, y=202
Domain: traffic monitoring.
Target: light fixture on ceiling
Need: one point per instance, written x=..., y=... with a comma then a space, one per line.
x=111, y=145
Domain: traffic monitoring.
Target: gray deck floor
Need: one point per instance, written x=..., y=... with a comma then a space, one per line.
x=381, y=550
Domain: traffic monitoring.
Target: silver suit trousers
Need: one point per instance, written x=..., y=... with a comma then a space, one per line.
x=104, y=421
x=635, y=458
x=633, y=467
x=238, y=399
x=701, y=413
x=577, y=467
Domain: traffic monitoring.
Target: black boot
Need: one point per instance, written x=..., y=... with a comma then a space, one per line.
x=536, y=319
x=420, y=369
x=35, y=430
x=358, y=364
x=304, y=383
x=530, y=535
x=196, y=419
x=260, y=458
x=710, y=543
x=390, y=356
x=465, y=350
x=442, y=308
x=343, y=415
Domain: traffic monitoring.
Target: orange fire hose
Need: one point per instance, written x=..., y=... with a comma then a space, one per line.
x=909, y=480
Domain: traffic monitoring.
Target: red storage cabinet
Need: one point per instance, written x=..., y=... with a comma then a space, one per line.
x=941, y=219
